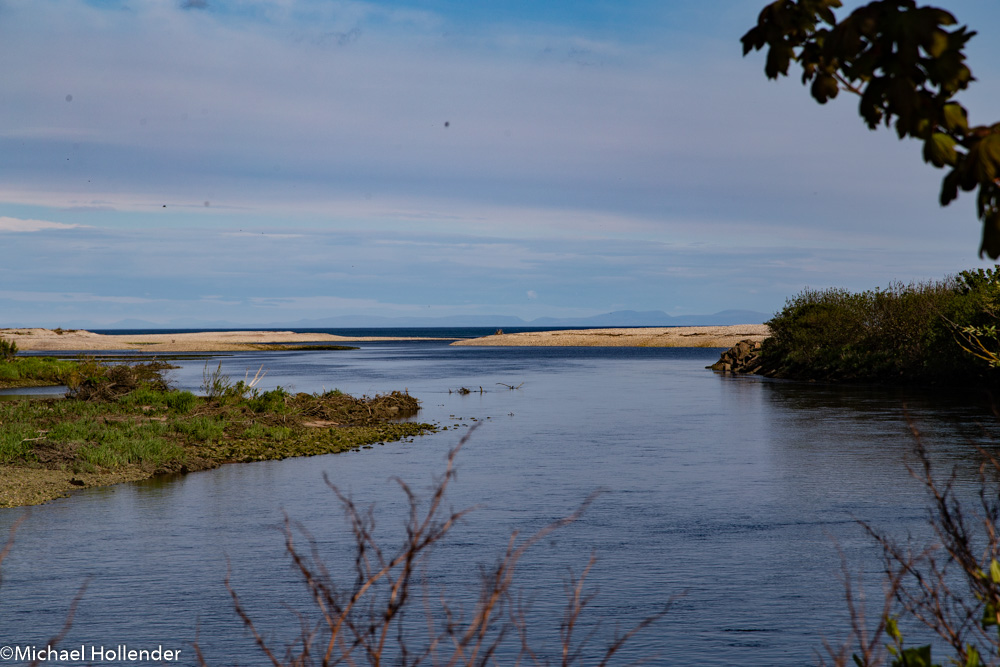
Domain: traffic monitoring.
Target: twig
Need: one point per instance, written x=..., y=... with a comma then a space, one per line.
x=510, y=386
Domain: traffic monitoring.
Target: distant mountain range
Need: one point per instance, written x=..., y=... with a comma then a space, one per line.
x=620, y=318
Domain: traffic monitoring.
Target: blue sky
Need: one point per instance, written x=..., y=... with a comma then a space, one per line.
x=265, y=161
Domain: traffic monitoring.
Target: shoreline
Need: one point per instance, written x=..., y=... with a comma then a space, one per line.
x=63, y=340
x=708, y=336
x=25, y=485
x=144, y=430
x=60, y=340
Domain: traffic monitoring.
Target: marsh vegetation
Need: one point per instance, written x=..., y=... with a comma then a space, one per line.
x=124, y=421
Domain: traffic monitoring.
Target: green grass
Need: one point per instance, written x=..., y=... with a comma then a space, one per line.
x=262, y=432
x=125, y=419
x=202, y=429
x=20, y=371
x=145, y=396
x=139, y=446
x=181, y=402
x=16, y=442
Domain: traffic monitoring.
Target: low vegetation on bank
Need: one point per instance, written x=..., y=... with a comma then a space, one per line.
x=30, y=371
x=123, y=422
x=933, y=333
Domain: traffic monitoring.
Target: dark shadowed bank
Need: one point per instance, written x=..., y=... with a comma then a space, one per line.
x=938, y=333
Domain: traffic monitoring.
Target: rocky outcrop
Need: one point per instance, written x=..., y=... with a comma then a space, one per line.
x=744, y=357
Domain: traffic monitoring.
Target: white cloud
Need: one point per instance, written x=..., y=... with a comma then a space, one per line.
x=22, y=225
x=70, y=297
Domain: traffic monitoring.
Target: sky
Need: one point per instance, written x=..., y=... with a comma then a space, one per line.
x=267, y=161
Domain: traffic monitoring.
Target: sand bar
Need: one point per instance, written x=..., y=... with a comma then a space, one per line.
x=207, y=341
x=726, y=336
x=230, y=341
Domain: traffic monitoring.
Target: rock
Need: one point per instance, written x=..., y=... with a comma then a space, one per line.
x=742, y=358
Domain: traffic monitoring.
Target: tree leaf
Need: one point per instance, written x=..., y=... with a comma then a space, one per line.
x=987, y=159
x=949, y=188
x=779, y=56
x=989, y=148
x=936, y=43
x=824, y=88
x=892, y=629
x=991, y=246
x=939, y=150
x=956, y=119
x=918, y=656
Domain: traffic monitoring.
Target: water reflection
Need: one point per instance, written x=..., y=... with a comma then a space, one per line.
x=32, y=392
x=878, y=426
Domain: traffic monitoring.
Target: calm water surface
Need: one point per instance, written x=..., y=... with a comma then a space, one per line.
x=734, y=493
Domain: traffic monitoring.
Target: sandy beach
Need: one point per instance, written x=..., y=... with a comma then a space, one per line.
x=228, y=341
x=726, y=336
x=208, y=341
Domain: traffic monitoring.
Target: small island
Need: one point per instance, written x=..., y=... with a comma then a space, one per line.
x=122, y=422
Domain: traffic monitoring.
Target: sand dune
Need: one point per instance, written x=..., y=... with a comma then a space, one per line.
x=726, y=336
x=209, y=341
x=224, y=341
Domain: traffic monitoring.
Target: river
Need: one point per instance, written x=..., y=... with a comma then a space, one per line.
x=730, y=497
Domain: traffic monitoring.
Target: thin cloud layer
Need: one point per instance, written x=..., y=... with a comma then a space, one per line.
x=16, y=225
x=513, y=159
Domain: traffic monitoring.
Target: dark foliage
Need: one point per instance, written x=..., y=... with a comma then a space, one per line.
x=905, y=63
x=903, y=333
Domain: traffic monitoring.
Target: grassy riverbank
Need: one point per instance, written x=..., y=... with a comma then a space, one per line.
x=123, y=423
x=35, y=371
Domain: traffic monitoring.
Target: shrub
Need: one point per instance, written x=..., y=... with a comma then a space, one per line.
x=94, y=381
x=181, y=401
x=274, y=401
x=8, y=349
x=218, y=386
x=360, y=620
x=898, y=334
x=950, y=586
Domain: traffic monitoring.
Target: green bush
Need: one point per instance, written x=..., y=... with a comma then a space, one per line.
x=901, y=333
x=94, y=381
x=144, y=396
x=274, y=401
x=181, y=401
x=8, y=349
x=219, y=387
